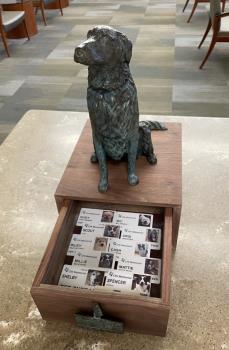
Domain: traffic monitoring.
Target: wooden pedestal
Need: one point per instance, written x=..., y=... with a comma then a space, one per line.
x=19, y=31
x=159, y=193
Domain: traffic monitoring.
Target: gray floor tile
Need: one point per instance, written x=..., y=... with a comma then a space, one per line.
x=42, y=74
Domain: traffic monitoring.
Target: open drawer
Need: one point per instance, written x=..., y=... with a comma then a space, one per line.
x=143, y=314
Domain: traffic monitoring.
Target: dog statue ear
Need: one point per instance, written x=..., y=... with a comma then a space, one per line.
x=89, y=34
x=125, y=46
x=128, y=51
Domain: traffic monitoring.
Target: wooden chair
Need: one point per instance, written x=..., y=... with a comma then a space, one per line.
x=8, y=21
x=40, y=4
x=196, y=2
x=219, y=22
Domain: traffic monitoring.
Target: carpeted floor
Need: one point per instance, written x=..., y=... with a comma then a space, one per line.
x=41, y=73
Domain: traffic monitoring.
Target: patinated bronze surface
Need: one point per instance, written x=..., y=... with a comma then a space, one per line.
x=113, y=103
x=99, y=322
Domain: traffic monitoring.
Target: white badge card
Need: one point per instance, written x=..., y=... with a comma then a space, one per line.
x=127, y=282
x=71, y=276
x=132, y=233
x=131, y=264
x=95, y=216
x=133, y=219
x=153, y=236
x=120, y=248
x=79, y=243
x=94, y=259
x=92, y=230
x=89, y=216
x=118, y=281
x=85, y=238
x=142, y=266
x=86, y=259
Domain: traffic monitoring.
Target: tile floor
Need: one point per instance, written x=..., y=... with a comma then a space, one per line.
x=41, y=73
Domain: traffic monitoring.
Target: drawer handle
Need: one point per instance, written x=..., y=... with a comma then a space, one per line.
x=98, y=322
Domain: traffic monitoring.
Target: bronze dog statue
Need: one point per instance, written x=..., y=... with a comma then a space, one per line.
x=113, y=104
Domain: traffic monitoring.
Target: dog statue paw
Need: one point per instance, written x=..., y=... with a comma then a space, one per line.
x=103, y=186
x=152, y=159
x=133, y=179
x=94, y=158
x=112, y=102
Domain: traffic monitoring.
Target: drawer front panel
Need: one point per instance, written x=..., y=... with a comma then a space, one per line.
x=136, y=315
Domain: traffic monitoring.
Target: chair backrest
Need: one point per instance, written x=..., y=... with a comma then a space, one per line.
x=215, y=12
x=0, y=15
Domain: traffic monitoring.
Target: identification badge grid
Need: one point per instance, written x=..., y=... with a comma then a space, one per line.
x=111, y=251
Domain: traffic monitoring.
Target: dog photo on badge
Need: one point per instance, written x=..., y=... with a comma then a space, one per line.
x=112, y=231
x=141, y=249
x=94, y=278
x=152, y=266
x=77, y=230
x=107, y=216
x=100, y=243
x=153, y=235
x=141, y=284
x=106, y=260
x=144, y=220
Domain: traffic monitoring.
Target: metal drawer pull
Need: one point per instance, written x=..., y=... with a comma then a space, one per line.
x=98, y=322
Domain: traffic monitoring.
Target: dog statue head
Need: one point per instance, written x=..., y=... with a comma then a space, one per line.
x=104, y=46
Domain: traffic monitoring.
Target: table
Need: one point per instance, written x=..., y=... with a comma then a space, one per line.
x=19, y=31
x=32, y=160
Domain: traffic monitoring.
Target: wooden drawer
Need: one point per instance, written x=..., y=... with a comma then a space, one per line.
x=138, y=313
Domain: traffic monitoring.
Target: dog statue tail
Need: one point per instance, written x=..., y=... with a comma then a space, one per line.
x=145, y=146
x=152, y=125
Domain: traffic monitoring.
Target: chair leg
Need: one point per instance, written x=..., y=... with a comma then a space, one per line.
x=3, y=35
x=61, y=10
x=223, y=5
x=186, y=4
x=36, y=10
x=206, y=33
x=43, y=13
x=26, y=29
x=193, y=10
x=211, y=47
